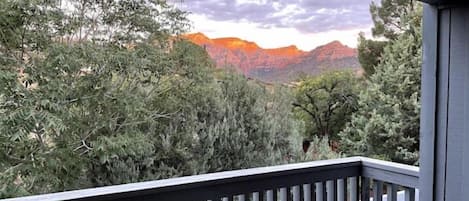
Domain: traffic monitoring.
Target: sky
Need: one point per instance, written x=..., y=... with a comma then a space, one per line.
x=278, y=23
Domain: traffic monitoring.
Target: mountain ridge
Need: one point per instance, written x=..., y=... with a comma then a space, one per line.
x=268, y=64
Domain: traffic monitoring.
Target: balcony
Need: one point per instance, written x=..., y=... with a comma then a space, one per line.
x=347, y=179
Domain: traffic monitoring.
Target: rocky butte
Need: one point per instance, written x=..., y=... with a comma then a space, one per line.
x=282, y=64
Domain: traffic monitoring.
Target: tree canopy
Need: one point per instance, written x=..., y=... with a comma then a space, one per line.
x=96, y=93
x=326, y=103
x=390, y=19
x=386, y=124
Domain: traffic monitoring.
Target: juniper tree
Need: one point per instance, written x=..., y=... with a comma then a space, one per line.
x=386, y=124
x=389, y=19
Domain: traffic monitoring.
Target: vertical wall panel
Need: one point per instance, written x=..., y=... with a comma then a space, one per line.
x=465, y=150
x=457, y=134
x=442, y=103
x=445, y=104
x=428, y=112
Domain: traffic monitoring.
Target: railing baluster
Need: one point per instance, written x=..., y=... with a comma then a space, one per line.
x=255, y=196
x=391, y=192
x=307, y=192
x=241, y=198
x=229, y=198
x=353, y=189
x=283, y=194
x=377, y=190
x=409, y=194
x=270, y=195
x=296, y=193
x=365, y=189
x=342, y=190
x=321, y=194
x=331, y=190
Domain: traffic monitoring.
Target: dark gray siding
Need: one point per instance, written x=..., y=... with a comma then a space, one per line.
x=429, y=103
x=458, y=107
x=445, y=105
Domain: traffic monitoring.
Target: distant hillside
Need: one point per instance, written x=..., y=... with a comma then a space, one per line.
x=283, y=64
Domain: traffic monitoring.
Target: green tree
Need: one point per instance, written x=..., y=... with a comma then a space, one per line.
x=96, y=93
x=258, y=127
x=71, y=86
x=386, y=124
x=389, y=18
x=326, y=102
x=369, y=53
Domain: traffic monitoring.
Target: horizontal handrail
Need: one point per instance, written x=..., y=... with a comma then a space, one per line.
x=215, y=185
x=404, y=175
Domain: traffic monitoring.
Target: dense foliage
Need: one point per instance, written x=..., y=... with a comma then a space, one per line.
x=369, y=53
x=326, y=103
x=390, y=19
x=96, y=93
x=386, y=124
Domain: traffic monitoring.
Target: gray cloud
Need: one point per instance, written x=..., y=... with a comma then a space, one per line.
x=308, y=16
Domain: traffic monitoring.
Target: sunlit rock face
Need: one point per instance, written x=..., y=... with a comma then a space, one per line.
x=278, y=64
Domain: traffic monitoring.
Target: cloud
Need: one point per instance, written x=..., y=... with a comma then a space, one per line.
x=274, y=37
x=306, y=16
